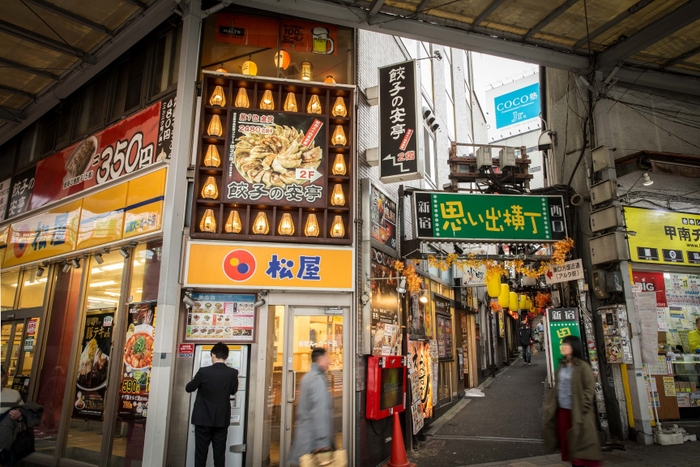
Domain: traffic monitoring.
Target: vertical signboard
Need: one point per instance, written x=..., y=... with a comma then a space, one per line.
x=400, y=127
x=93, y=367
x=4, y=196
x=561, y=322
x=138, y=362
x=21, y=192
x=386, y=330
x=382, y=220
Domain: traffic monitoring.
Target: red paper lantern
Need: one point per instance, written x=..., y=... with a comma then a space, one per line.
x=282, y=59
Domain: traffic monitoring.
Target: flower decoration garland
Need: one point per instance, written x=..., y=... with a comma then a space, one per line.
x=413, y=280
x=561, y=249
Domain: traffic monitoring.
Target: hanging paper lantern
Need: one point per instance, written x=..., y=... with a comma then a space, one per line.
x=282, y=59
x=504, y=297
x=493, y=285
x=522, y=302
x=249, y=68
x=513, y=302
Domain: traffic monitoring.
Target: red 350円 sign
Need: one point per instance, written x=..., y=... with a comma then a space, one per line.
x=132, y=144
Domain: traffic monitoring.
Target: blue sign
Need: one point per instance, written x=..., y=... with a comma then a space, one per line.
x=517, y=106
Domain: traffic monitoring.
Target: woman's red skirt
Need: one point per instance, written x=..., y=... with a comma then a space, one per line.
x=563, y=427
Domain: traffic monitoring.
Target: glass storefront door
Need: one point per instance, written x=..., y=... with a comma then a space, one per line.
x=296, y=332
x=18, y=342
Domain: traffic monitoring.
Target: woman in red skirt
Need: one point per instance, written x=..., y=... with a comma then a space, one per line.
x=569, y=414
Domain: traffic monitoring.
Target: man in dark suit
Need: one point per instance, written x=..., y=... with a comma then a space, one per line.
x=215, y=385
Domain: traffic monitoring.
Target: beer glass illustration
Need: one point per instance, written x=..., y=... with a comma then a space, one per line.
x=322, y=42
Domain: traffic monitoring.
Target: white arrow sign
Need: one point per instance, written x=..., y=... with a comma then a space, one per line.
x=310, y=175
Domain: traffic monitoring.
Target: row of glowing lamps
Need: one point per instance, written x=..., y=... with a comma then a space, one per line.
x=261, y=225
x=267, y=102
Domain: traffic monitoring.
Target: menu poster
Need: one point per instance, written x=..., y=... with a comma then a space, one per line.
x=137, y=362
x=383, y=218
x=420, y=363
x=221, y=316
x=419, y=319
x=444, y=336
x=93, y=367
x=386, y=335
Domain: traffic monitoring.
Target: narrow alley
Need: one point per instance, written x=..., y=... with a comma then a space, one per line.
x=505, y=424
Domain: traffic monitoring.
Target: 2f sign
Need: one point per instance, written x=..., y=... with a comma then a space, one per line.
x=569, y=271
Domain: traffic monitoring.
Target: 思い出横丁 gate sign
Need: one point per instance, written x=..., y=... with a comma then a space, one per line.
x=488, y=218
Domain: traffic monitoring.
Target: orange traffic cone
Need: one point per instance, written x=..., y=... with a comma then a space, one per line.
x=398, y=450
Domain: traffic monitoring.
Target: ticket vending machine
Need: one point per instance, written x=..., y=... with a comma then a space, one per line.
x=235, y=446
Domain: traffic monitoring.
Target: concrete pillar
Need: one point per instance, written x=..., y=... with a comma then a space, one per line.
x=155, y=445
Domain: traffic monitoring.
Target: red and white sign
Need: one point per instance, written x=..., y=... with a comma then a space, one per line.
x=185, y=350
x=132, y=144
x=651, y=282
x=31, y=327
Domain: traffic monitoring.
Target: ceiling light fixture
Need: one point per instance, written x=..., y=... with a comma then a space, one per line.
x=75, y=262
x=66, y=267
x=187, y=300
x=98, y=258
x=124, y=252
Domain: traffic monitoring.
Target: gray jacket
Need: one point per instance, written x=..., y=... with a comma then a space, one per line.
x=314, y=415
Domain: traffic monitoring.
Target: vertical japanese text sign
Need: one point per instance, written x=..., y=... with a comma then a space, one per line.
x=562, y=322
x=400, y=130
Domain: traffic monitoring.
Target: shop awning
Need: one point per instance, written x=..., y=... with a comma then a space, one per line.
x=651, y=42
x=49, y=48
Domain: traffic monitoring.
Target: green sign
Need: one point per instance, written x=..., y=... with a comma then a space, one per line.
x=562, y=322
x=488, y=218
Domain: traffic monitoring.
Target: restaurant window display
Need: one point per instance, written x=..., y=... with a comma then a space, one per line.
x=8, y=283
x=137, y=360
x=90, y=385
x=286, y=48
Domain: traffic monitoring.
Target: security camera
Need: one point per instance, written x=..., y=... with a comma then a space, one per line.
x=187, y=300
x=259, y=303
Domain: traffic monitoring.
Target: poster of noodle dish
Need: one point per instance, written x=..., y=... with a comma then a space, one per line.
x=276, y=158
x=137, y=362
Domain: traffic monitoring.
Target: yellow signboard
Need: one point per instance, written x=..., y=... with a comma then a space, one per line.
x=122, y=211
x=269, y=266
x=51, y=233
x=663, y=237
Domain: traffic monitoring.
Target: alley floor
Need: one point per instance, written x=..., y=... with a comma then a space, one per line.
x=503, y=429
x=506, y=424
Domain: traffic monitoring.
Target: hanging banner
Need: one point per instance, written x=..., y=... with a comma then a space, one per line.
x=421, y=364
x=21, y=192
x=488, y=218
x=292, y=170
x=137, y=362
x=132, y=144
x=663, y=237
x=400, y=126
x=386, y=330
x=221, y=316
x=420, y=324
x=93, y=366
x=561, y=322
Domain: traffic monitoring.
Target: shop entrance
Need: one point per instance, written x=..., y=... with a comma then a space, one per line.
x=19, y=333
x=296, y=332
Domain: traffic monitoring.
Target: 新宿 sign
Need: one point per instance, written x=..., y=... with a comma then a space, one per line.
x=479, y=217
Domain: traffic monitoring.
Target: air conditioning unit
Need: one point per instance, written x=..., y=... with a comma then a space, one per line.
x=483, y=158
x=608, y=248
x=603, y=192
x=506, y=157
x=606, y=218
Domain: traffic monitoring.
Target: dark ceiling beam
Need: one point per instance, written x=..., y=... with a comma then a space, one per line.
x=9, y=115
x=613, y=22
x=422, y=6
x=28, y=69
x=485, y=14
x=17, y=91
x=682, y=57
x=136, y=3
x=551, y=17
x=44, y=41
x=71, y=16
x=679, y=18
x=375, y=7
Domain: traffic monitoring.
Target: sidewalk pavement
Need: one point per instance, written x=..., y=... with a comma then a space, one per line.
x=636, y=455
